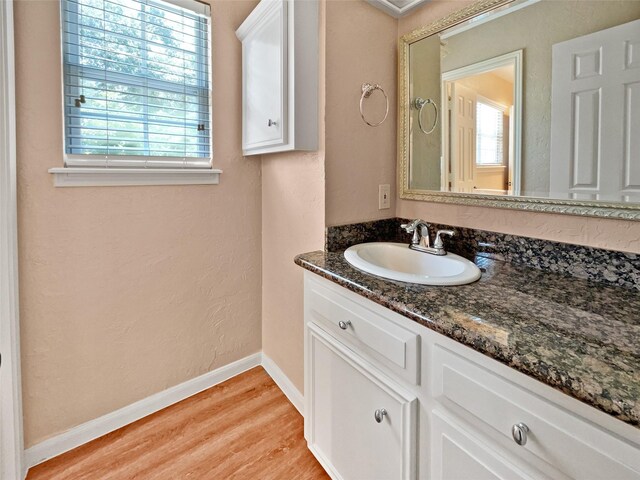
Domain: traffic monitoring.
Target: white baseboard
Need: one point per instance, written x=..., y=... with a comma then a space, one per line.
x=93, y=429
x=288, y=388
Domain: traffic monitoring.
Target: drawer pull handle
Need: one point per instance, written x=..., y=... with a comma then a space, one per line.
x=344, y=325
x=519, y=432
x=379, y=414
x=272, y=123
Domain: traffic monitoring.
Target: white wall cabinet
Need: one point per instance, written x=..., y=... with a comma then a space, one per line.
x=280, y=77
x=450, y=410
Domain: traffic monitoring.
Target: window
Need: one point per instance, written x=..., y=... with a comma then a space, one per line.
x=136, y=84
x=490, y=133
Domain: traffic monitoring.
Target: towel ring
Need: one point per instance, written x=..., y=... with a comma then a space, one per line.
x=419, y=104
x=367, y=90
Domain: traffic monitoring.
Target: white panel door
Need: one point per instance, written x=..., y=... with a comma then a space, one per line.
x=264, y=59
x=343, y=432
x=463, y=139
x=595, y=115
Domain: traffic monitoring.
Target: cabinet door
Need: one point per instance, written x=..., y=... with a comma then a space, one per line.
x=264, y=58
x=344, y=433
x=457, y=455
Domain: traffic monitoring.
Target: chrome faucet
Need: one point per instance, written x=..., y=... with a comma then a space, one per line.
x=420, y=230
x=421, y=240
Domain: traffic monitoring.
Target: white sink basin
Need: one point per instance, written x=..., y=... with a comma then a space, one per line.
x=396, y=261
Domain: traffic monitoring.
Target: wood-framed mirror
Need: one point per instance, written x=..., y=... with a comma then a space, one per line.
x=524, y=104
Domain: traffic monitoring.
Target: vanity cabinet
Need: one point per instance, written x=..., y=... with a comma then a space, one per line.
x=572, y=446
x=280, y=77
x=361, y=425
x=451, y=413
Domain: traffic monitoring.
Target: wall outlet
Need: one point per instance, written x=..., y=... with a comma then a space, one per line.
x=384, y=196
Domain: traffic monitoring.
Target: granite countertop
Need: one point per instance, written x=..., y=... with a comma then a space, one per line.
x=573, y=334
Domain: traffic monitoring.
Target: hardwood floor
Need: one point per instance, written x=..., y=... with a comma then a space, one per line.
x=244, y=428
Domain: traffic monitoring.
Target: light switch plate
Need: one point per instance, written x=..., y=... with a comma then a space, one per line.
x=384, y=196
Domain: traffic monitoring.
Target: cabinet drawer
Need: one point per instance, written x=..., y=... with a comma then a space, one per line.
x=573, y=446
x=342, y=431
x=374, y=336
x=457, y=455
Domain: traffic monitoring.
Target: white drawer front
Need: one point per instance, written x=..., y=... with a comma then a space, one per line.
x=343, y=432
x=572, y=446
x=456, y=455
x=374, y=336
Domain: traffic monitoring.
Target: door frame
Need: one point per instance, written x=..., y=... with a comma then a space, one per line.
x=513, y=58
x=11, y=434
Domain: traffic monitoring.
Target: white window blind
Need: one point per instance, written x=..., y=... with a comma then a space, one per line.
x=490, y=134
x=136, y=83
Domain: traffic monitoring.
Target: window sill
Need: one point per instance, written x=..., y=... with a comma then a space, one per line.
x=105, y=177
x=491, y=167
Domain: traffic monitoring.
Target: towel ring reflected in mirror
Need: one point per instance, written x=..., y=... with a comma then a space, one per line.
x=367, y=91
x=419, y=104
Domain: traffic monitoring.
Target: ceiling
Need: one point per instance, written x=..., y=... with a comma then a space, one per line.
x=396, y=8
x=505, y=73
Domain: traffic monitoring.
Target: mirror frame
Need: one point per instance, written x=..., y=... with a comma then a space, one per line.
x=616, y=210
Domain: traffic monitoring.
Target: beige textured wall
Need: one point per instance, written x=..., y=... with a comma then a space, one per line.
x=603, y=233
x=360, y=47
x=126, y=291
x=292, y=222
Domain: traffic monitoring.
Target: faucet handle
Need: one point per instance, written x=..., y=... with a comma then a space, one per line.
x=438, y=243
x=411, y=227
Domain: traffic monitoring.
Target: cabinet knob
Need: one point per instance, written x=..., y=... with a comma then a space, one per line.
x=272, y=123
x=379, y=414
x=519, y=432
x=344, y=325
